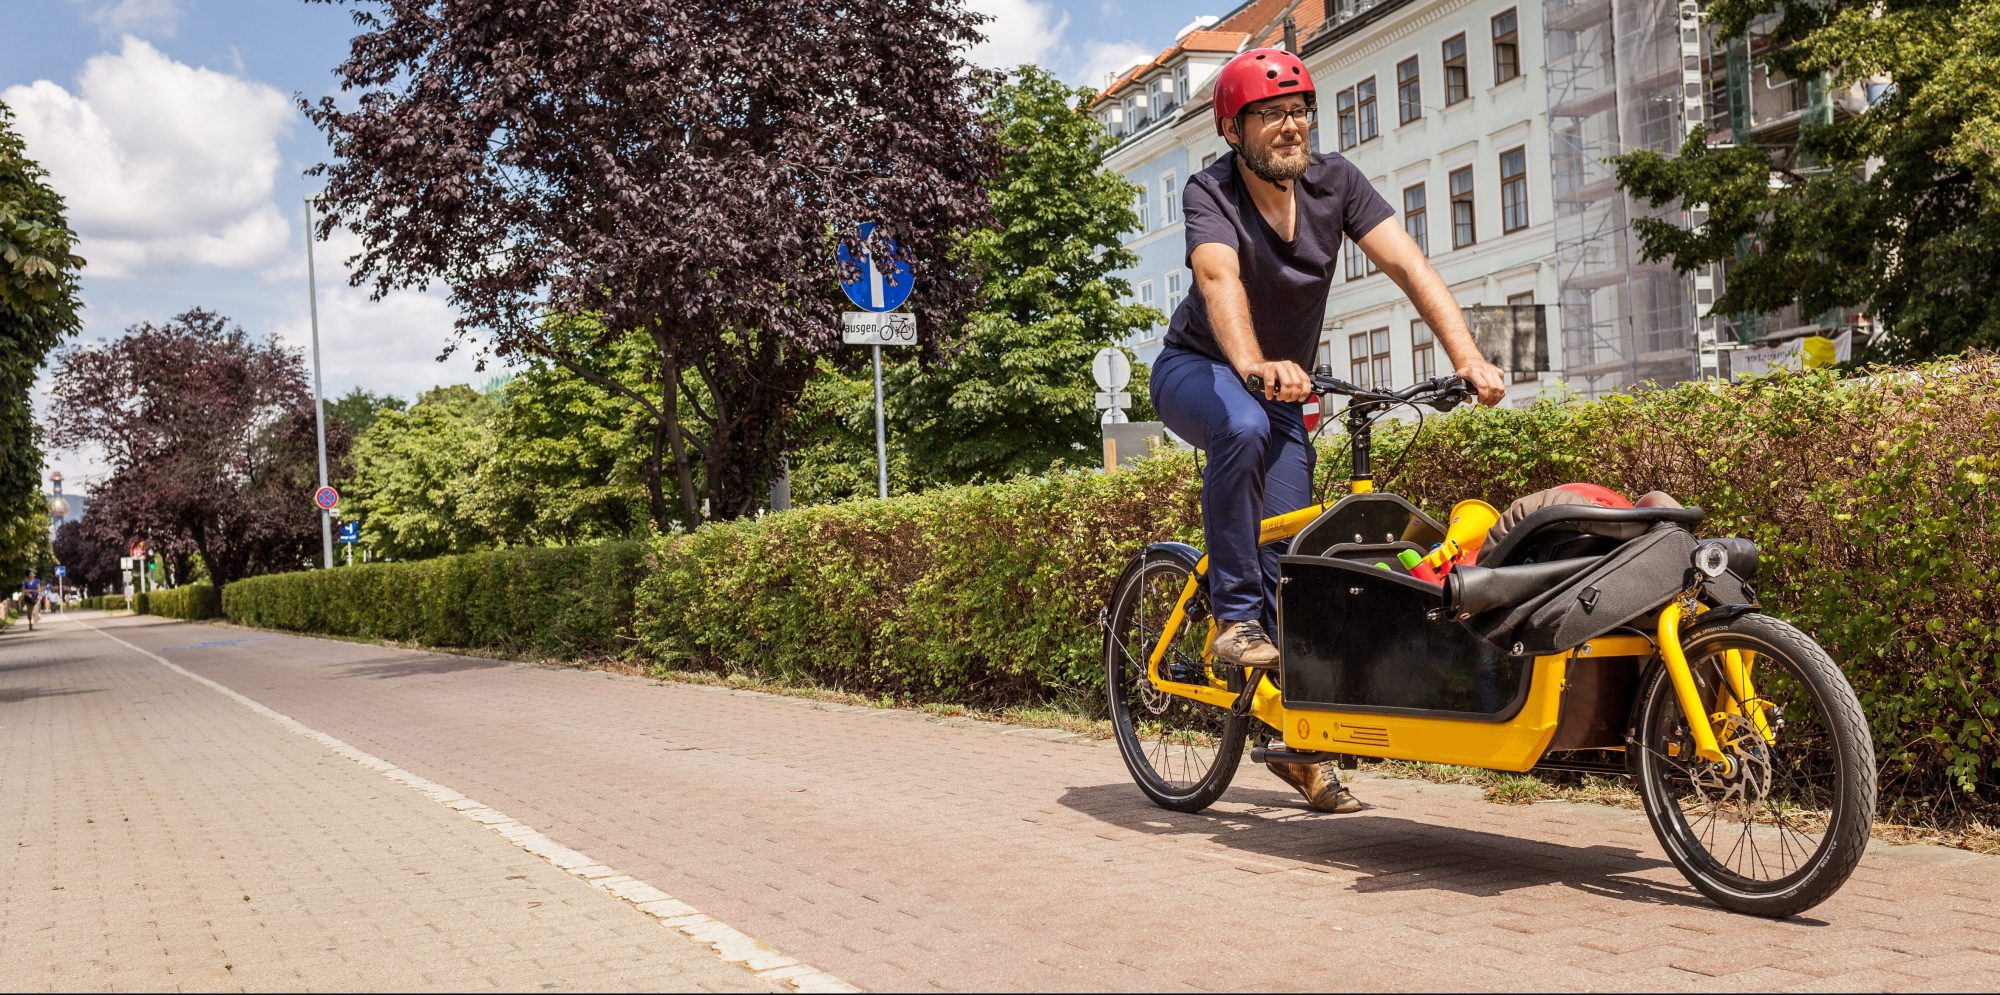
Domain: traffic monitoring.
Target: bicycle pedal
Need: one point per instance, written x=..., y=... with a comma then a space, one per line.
x=1279, y=755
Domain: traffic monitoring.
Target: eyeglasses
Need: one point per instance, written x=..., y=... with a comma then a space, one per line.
x=1273, y=117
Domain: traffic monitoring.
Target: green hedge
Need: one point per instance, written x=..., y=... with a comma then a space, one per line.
x=1874, y=500
x=188, y=602
x=141, y=603
x=561, y=602
x=105, y=602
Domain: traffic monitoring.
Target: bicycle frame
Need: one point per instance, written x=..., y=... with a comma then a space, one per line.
x=1516, y=744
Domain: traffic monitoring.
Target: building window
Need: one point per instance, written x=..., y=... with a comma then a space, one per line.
x=1457, y=86
x=1325, y=356
x=1513, y=190
x=1462, y=231
x=1355, y=261
x=1423, y=351
x=1364, y=106
x=1181, y=83
x=1414, y=220
x=1208, y=160
x=1345, y=105
x=1139, y=207
x=1525, y=299
x=1170, y=200
x=1146, y=293
x=1506, y=46
x=1368, y=358
x=1409, y=92
x=1132, y=120
x=1174, y=294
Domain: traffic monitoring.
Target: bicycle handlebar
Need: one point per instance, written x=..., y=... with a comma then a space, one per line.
x=1441, y=393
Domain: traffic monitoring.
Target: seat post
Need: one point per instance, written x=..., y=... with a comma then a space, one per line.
x=1360, y=440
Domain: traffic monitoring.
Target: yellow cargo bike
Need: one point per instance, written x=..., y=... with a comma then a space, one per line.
x=1593, y=639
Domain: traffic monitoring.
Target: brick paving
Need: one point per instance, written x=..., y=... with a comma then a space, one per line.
x=904, y=853
x=160, y=836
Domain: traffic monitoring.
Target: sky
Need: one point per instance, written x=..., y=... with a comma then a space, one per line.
x=172, y=130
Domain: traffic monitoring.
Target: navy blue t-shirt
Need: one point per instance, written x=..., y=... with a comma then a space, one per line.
x=1286, y=282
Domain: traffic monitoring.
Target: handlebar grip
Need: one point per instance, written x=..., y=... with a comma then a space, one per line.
x=1254, y=383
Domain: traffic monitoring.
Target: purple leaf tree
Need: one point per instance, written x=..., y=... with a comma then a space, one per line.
x=677, y=169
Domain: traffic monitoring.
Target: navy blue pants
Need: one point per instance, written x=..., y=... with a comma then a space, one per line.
x=1260, y=464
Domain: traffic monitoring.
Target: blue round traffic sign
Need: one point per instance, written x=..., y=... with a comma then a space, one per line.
x=882, y=282
x=327, y=497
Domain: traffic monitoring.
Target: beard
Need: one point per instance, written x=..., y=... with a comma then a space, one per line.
x=1273, y=168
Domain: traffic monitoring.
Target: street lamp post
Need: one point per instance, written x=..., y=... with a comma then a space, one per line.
x=319, y=402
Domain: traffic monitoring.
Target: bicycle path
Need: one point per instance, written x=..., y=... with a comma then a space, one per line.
x=158, y=835
x=898, y=852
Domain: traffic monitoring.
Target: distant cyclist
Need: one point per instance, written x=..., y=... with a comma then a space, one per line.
x=31, y=589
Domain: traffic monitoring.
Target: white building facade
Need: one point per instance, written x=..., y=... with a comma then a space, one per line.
x=1442, y=105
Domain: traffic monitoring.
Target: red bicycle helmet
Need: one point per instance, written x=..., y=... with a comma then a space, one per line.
x=1258, y=74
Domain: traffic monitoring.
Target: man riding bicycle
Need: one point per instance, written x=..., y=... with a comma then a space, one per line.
x=1264, y=229
x=31, y=590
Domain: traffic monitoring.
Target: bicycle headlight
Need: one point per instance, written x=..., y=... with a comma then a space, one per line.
x=1711, y=559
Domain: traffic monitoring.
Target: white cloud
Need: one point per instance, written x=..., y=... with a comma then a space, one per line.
x=152, y=18
x=387, y=346
x=1021, y=31
x=161, y=163
x=1104, y=57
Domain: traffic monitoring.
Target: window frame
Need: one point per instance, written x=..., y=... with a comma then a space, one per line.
x=1409, y=91
x=1514, y=185
x=1343, y=103
x=1174, y=293
x=1464, y=71
x=1368, y=122
x=1142, y=201
x=1416, y=220
x=1525, y=298
x=1170, y=201
x=1469, y=198
x=1353, y=262
x=1423, y=354
x=1181, y=84
x=1507, y=47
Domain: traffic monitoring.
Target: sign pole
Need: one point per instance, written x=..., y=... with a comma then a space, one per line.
x=319, y=401
x=881, y=437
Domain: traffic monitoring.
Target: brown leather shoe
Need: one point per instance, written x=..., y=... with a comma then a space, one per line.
x=1320, y=784
x=1245, y=645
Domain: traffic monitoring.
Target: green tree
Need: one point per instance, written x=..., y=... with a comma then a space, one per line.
x=358, y=409
x=38, y=307
x=1015, y=396
x=416, y=475
x=1896, y=209
x=568, y=457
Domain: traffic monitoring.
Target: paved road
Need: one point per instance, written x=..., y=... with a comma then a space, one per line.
x=900, y=853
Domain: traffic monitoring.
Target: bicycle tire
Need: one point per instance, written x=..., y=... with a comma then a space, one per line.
x=1139, y=712
x=1832, y=731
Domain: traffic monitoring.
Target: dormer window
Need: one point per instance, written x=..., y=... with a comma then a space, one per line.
x=1181, y=83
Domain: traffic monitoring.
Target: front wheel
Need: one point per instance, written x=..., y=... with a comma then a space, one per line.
x=1182, y=753
x=1779, y=827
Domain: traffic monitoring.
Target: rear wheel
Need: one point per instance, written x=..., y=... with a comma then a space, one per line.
x=1182, y=753
x=1778, y=828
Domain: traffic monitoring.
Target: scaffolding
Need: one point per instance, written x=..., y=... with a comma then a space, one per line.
x=1623, y=75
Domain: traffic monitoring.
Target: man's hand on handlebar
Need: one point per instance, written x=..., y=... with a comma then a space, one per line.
x=1282, y=380
x=1487, y=379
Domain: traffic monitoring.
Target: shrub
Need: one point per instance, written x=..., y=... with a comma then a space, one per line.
x=104, y=602
x=561, y=602
x=141, y=602
x=188, y=602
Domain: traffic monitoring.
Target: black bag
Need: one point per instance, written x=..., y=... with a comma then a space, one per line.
x=1623, y=585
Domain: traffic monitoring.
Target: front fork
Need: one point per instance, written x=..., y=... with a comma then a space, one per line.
x=1735, y=670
